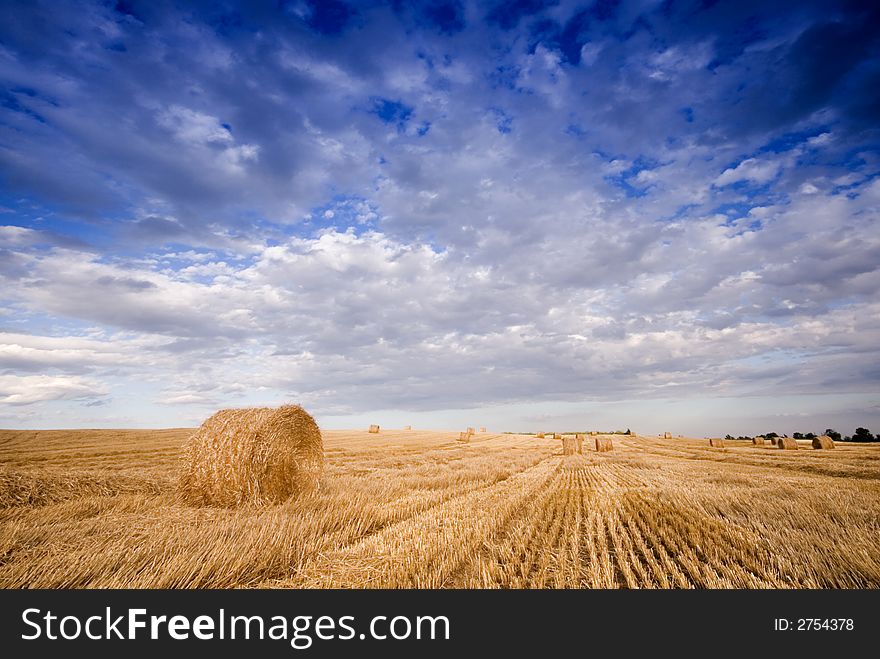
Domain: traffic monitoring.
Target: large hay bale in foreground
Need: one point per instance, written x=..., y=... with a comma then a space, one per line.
x=716, y=442
x=667, y=435
x=604, y=444
x=374, y=429
x=823, y=441
x=786, y=443
x=568, y=446
x=257, y=455
x=758, y=441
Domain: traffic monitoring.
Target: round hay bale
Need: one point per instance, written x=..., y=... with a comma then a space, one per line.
x=823, y=441
x=255, y=455
x=373, y=429
x=787, y=443
x=667, y=435
x=758, y=441
x=604, y=444
x=540, y=435
x=716, y=442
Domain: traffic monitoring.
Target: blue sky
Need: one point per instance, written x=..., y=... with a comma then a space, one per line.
x=657, y=215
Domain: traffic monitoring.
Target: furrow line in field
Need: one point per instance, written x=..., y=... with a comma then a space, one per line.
x=424, y=551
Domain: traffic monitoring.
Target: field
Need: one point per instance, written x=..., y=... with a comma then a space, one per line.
x=417, y=509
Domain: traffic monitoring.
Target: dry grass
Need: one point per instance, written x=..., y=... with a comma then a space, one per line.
x=418, y=509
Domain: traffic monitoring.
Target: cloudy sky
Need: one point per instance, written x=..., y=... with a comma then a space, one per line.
x=525, y=215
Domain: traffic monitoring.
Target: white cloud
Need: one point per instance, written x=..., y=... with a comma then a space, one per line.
x=750, y=169
x=192, y=127
x=29, y=389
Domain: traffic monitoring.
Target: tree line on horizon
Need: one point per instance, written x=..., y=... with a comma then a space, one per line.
x=860, y=435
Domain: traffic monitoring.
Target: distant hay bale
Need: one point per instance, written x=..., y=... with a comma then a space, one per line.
x=579, y=438
x=374, y=429
x=540, y=435
x=407, y=427
x=464, y=436
x=787, y=443
x=593, y=433
x=716, y=443
x=579, y=435
x=568, y=446
x=758, y=441
x=482, y=428
x=667, y=435
x=556, y=435
x=604, y=444
x=773, y=440
x=471, y=430
x=255, y=455
x=823, y=441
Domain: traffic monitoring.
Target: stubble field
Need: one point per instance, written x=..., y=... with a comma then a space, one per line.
x=417, y=509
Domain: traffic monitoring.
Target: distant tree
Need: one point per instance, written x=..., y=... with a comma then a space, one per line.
x=810, y=435
x=862, y=435
x=728, y=437
x=768, y=435
x=798, y=435
x=833, y=434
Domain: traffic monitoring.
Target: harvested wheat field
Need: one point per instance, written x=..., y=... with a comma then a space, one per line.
x=405, y=509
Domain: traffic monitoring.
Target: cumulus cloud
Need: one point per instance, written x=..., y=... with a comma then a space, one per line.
x=750, y=169
x=397, y=208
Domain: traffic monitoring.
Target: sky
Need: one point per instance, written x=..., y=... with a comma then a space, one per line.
x=525, y=215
